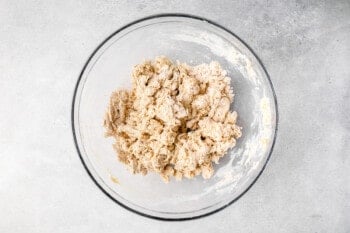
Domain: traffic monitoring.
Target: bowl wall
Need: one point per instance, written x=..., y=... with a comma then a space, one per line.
x=193, y=41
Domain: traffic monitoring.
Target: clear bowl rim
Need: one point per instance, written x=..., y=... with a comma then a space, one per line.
x=180, y=15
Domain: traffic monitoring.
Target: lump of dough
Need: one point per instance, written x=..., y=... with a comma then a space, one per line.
x=175, y=121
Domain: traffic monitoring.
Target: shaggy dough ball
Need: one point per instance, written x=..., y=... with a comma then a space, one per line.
x=175, y=121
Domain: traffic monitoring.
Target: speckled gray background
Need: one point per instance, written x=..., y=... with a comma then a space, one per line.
x=305, y=46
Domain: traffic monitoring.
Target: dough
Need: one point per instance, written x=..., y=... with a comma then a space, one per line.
x=175, y=121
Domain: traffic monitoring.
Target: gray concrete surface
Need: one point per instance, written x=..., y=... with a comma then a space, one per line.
x=305, y=46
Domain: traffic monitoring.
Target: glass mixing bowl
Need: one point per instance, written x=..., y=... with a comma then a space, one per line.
x=192, y=40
